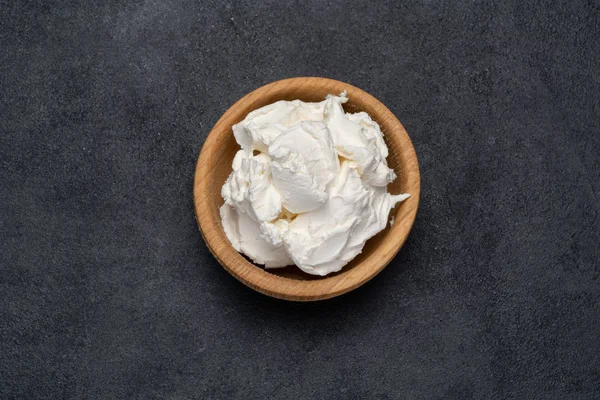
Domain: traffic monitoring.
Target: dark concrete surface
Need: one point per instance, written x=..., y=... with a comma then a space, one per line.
x=107, y=290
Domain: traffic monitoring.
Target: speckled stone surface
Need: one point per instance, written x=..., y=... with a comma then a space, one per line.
x=107, y=290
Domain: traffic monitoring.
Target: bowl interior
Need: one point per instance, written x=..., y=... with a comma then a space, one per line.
x=223, y=148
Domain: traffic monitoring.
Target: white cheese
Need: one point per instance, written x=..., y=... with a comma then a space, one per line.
x=308, y=186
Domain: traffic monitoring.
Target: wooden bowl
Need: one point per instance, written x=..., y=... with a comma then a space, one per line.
x=290, y=283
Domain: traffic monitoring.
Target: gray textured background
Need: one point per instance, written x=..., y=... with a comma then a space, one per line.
x=108, y=291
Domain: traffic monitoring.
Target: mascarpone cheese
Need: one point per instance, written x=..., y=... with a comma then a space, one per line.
x=308, y=186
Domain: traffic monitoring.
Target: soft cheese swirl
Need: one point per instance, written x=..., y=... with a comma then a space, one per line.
x=308, y=186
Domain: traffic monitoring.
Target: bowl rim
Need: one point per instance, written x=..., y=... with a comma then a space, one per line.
x=279, y=286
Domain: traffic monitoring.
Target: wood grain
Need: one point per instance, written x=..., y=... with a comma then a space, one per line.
x=214, y=166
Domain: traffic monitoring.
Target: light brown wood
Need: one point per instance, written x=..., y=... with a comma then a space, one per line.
x=214, y=166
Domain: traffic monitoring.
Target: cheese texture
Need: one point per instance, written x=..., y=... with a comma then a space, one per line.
x=308, y=187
